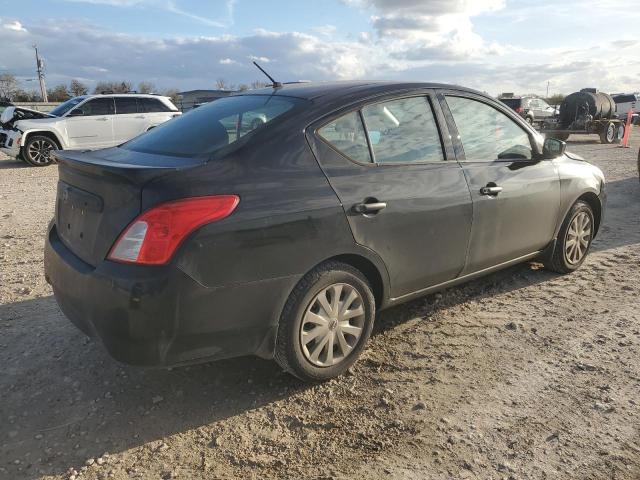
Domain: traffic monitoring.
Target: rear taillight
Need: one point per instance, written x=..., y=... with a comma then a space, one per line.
x=519, y=110
x=153, y=237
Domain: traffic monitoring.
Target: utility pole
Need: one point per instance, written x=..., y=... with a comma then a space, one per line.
x=40, y=68
x=547, y=88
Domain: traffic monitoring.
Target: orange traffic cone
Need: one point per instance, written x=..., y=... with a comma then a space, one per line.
x=627, y=130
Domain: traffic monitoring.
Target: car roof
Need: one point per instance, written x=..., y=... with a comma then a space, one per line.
x=349, y=89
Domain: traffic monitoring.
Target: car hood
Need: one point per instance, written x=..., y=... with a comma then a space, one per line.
x=12, y=116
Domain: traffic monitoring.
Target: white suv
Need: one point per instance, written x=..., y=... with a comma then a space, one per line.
x=88, y=122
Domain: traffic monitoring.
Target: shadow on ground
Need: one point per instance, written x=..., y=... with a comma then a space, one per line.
x=65, y=400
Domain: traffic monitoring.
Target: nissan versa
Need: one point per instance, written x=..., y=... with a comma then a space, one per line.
x=215, y=236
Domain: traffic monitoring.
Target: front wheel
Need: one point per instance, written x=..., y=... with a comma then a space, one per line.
x=574, y=239
x=325, y=323
x=37, y=150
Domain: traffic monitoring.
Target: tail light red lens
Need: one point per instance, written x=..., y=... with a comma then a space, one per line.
x=153, y=237
x=519, y=110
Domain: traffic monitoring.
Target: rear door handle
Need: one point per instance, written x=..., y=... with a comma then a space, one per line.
x=103, y=119
x=140, y=116
x=491, y=190
x=373, y=207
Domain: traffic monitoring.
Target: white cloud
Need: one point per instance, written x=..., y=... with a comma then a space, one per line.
x=15, y=25
x=436, y=40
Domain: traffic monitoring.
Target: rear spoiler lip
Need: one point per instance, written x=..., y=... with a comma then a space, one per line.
x=138, y=174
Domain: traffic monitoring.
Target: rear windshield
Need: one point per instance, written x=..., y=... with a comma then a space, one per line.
x=213, y=126
x=512, y=102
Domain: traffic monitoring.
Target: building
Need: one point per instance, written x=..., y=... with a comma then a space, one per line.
x=187, y=100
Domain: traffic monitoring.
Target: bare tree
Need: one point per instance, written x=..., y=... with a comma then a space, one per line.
x=258, y=84
x=221, y=84
x=172, y=93
x=58, y=94
x=8, y=85
x=146, y=87
x=77, y=88
x=112, y=87
x=243, y=86
x=26, y=96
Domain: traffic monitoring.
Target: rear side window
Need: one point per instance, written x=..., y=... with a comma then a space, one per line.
x=346, y=134
x=213, y=126
x=403, y=131
x=486, y=133
x=97, y=106
x=126, y=105
x=149, y=105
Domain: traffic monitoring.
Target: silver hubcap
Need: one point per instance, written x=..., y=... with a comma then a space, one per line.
x=578, y=238
x=39, y=151
x=611, y=131
x=332, y=325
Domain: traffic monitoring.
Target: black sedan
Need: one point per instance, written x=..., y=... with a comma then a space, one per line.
x=212, y=236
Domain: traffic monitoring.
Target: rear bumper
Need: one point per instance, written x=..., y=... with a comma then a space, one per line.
x=9, y=142
x=160, y=316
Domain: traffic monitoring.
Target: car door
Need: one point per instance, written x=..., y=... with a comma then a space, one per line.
x=90, y=124
x=404, y=195
x=516, y=196
x=130, y=120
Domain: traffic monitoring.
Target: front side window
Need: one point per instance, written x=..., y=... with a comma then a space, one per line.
x=66, y=106
x=346, y=134
x=211, y=127
x=97, y=106
x=403, y=131
x=486, y=133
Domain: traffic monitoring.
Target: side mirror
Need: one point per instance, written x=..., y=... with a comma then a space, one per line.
x=77, y=112
x=553, y=148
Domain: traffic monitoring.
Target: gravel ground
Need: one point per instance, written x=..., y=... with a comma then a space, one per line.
x=524, y=374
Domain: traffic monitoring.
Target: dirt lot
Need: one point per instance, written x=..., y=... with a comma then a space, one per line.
x=524, y=374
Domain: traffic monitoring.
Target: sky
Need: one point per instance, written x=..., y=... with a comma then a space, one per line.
x=491, y=45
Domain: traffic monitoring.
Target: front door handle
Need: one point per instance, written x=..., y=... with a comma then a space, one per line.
x=367, y=208
x=103, y=119
x=491, y=190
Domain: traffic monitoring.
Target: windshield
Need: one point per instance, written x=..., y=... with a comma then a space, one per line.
x=213, y=126
x=66, y=106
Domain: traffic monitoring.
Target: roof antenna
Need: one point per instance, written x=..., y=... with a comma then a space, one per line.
x=274, y=83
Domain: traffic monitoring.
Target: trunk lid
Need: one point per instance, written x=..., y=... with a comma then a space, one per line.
x=99, y=194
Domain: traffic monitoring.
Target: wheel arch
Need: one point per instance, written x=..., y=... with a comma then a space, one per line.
x=594, y=202
x=45, y=133
x=369, y=270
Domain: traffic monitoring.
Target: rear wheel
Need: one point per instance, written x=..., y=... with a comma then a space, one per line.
x=574, y=239
x=325, y=323
x=608, y=133
x=37, y=150
x=619, y=133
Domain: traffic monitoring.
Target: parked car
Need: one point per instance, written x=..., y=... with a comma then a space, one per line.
x=626, y=103
x=189, y=244
x=87, y=122
x=533, y=109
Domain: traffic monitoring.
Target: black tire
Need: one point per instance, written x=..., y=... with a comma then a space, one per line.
x=608, y=133
x=620, y=128
x=560, y=261
x=36, y=151
x=289, y=349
